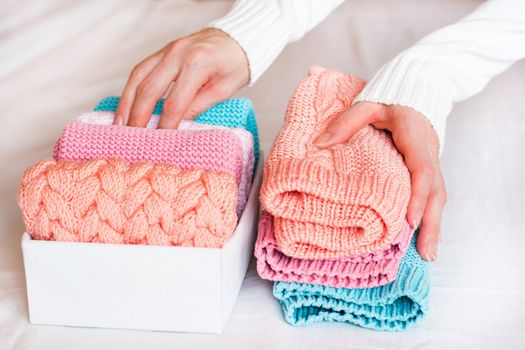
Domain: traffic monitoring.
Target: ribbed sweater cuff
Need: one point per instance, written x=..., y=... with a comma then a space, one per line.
x=260, y=31
x=416, y=83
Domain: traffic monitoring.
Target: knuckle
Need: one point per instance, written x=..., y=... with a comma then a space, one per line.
x=441, y=190
x=197, y=57
x=145, y=90
x=136, y=72
x=172, y=47
x=172, y=107
x=376, y=113
x=431, y=223
x=442, y=196
x=193, y=111
x=339, y=123
x=174, y=50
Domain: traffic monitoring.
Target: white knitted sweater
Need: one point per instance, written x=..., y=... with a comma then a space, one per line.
x=446, y=66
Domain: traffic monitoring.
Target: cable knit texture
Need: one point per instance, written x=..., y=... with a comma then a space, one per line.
x=349, y=199
x=392, y=307
x=234, y=113
x=113, y=201
x=358, y=271
x=191, y=146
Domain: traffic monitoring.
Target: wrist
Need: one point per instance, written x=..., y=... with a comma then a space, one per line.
x=238, y=56
x=259, y=31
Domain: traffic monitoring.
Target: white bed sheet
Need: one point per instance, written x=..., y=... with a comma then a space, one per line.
x=57, y=58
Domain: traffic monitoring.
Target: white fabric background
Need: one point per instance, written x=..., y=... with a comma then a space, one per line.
x=58, y=57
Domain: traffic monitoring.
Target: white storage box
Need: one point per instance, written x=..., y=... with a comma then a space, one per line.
x=140, y=287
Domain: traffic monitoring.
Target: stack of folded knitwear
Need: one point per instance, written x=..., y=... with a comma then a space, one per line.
x=333, y=234
x=117, y=184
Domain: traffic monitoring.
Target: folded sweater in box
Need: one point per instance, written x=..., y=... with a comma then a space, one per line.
x=348, y=199
x=392, y=307
x=191, y=146
x=233, y=113
x=114, y=201
x=358, y=271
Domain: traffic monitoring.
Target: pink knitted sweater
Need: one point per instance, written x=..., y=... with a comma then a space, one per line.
x=113, y=201
x=349, y=199
x=192, y=146
x=358, y=271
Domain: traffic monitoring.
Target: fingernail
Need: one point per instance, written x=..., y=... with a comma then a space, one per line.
x=431, y=252
x=322, y=139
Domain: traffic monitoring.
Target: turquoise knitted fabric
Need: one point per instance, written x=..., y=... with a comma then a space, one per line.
x=392, y=307
x=234, y=113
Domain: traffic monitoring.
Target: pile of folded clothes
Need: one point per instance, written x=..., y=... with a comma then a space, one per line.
x=117, y=184
x=333, y=234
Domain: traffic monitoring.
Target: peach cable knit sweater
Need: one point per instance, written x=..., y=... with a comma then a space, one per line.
x=346, y=200
x=114, y=201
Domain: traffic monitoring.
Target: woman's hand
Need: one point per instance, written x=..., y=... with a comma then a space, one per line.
x=206, y=67
x=417, y=141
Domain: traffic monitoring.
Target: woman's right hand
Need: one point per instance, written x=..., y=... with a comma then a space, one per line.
x=206, y=67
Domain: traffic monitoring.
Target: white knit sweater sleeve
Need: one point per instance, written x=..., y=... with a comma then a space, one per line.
x=446, y=66
x=452, y=63
x=264, y=27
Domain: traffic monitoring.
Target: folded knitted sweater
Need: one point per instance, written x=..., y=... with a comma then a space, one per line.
x=234, y=113
x=392, y=307
x=192, y=146
x=358, y=271
x=348, y=199
x=113, y=201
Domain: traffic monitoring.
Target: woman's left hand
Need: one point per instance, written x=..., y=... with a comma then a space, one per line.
x=417, y=141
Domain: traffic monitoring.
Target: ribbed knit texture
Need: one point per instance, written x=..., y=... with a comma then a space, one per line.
x=260, y=48
x=349, y=199
x=192, y=146
x=414, y=83
x=393, y=307
x=113, y=201
x=263, y=28
x=234, y=113
x=358, y=271
x=218, y=150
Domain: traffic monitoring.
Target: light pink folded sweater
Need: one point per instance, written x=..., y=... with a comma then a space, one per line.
x=358, y=271
x=192, y=146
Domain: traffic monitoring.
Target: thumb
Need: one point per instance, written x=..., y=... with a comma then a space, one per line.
x=345, y=125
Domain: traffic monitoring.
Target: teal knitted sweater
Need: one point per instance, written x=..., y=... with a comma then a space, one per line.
x=392, y=307
x=234, y=113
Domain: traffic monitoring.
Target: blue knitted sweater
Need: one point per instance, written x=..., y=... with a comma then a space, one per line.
x=392, y=307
